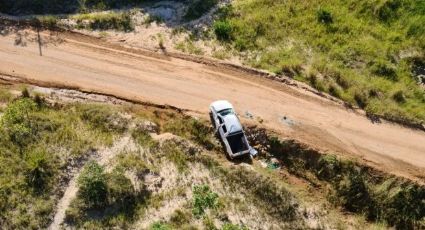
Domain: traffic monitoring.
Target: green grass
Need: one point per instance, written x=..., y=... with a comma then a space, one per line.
x=350, y=49
x=355, y=187
x=36, y=143
x=105, y=21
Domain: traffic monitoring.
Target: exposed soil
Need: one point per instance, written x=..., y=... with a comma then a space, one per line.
x=79, y=62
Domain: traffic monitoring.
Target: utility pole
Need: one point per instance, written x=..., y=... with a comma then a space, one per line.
x=39, y=40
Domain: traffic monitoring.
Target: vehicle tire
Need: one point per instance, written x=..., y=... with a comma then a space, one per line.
x=212, y=120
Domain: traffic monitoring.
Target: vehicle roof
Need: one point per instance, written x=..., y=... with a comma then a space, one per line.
x=232, y=123
x=221, y=104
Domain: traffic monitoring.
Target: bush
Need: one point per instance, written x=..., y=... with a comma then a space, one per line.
x=353, y=192
x=399, y=97
x=121, y=22
x=48, y=21
x=324, y=16
x=361, y=99
x=223, y=31
x=180, y=218
x=329, y=167
x=159, y=226
x=17, y=122
x=120, y=188
x=39, y=169
x=203, y=198
x=387, y=9
x=93, y=185
x=384, y=69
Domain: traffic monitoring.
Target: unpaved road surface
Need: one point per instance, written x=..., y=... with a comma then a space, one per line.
x=91, y=65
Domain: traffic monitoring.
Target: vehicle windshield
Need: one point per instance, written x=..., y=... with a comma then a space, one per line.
x=226, y=112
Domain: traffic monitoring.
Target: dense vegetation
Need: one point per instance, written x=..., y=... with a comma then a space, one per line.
x=355, y=187
x=363, y=52
x=36, y=144
x=61, y=6
x=41, y=140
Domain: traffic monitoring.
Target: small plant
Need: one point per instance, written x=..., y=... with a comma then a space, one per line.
x=48, y=21
x=324, y=17
x=361, y=99
x=161, y=41
x=223, y=30
x=159, y=226
x=38, y=170
x=353, y=192
x=383, y=69
x=120, y=188
x=399, y=97
x=203, y=198
x=17, y=122
x=93, y=185
x=180, y=218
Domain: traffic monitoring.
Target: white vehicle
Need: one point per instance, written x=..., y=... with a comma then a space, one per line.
x=228, y=127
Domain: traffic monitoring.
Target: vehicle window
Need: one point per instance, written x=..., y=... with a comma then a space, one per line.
x=220, y=120
x=224, y=129
x=226, y=112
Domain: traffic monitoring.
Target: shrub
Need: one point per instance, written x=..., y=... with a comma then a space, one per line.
x=329, y=167
x=387, y=9
x=203, y=198
x=93, y=185
x=399, y=97
x=39, y=169
x=48, y=21
x=119, y=22
x=159, y=226
x=120, y=188
x=180, y=218
x=324, y=16
x=361, y=99
x=353, y=192
x=334, y=90
x=17, y=122
x=223, y=31
x=384, y=69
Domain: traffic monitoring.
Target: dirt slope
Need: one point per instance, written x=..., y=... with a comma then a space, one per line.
x=84, y=63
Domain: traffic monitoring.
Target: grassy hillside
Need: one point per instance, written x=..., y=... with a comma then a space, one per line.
x=150, y=168
x=360, y=51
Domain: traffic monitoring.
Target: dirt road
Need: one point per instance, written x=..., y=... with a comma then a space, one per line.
x=91, y=66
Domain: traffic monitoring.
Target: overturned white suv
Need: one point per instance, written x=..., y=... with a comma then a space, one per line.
x=227, y=125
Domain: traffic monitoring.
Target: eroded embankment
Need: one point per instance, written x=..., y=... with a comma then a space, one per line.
x=356, y=187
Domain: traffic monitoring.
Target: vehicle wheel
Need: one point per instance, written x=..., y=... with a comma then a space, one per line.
x=212, y=120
